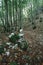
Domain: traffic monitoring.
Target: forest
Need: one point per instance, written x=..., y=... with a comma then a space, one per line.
x=21, y=32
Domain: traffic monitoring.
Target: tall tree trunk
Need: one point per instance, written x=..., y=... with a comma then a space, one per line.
x=16, y=17
x=6, y=16
x=2, y=18
x=31, y=14
x=10, y=14
x=13, y=11
x=20, y=18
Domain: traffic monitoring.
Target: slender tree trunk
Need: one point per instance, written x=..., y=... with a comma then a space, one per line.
x=6, y=7
x=7, y=25
x=16, y=17
x=10, y=14
x=31, y=14
x=2, y=18
x=13, y=11
x=20, y=18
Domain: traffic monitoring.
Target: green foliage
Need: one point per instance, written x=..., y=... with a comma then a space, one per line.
x=13, y=63
x=14, y=38
x=1, y=49
x=20, y=3
x=23, y=45
x=23, y=3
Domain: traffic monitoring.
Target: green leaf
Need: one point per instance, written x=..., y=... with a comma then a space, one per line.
x=1, y=49
x=24, y=46
x=14, y=38
x=13, y=63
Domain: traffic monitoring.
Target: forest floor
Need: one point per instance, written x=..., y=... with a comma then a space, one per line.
x=34, y=39
x=35, y=43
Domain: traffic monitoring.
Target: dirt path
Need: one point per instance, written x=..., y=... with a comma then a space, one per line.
x=34, y=40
